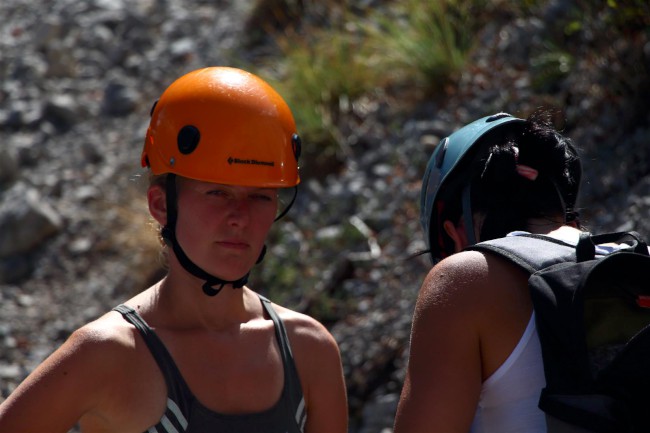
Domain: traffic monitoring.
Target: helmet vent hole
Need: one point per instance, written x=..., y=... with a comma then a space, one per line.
x=296, y=142
x=188, y=139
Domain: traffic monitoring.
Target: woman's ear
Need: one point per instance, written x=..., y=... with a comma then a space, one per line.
x=157, y=200
x=457, y=235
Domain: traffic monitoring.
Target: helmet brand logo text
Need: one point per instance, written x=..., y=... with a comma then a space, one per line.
x=232, y=161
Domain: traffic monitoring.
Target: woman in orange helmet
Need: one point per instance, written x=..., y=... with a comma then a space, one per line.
x=199, y=351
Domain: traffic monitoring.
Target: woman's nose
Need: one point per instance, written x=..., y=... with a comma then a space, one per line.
x=239, y=211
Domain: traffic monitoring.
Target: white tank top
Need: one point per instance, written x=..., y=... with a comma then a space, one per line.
x=509, y=397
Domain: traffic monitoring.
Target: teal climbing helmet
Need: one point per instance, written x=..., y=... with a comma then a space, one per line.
x=448, y=175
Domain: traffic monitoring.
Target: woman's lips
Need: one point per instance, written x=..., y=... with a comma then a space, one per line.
x=233, y=244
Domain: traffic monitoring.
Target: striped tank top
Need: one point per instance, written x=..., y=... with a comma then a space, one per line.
x=185, y=414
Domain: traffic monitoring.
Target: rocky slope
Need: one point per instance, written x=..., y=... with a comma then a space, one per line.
x=78, y=79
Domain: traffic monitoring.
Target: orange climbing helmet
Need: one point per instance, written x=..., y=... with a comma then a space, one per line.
x=223, y=125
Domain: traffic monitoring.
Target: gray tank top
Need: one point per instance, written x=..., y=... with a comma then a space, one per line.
x=185, y=414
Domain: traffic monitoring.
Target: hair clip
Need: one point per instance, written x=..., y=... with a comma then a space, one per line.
x=527, y=172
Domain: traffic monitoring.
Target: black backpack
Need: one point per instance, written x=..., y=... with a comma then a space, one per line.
x=593, y=320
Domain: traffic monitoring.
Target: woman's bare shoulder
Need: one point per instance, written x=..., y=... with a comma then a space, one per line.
x=107, y=354
x=110, y=330
x=470, y=283
x=303, y=328
x=314, y=349
x=469, y=270
x=107, y=342
x=318, y=361
x=93, y=362
x=460, y=274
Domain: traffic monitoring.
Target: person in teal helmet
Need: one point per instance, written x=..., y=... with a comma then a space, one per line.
x=475, y=362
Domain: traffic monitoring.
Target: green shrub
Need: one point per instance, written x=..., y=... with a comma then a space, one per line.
x=422, y=43
x=550, y=68
x=412, y=48
x=321, y=74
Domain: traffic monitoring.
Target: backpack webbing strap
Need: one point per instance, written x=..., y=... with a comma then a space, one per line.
x=529, y=252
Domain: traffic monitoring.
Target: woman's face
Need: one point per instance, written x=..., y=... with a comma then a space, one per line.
x=222, y=228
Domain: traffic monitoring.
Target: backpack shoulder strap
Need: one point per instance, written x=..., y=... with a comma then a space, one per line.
x=529, y=252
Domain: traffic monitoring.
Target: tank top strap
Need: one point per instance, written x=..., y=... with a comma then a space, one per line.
x=177, y=389
x=292, y=383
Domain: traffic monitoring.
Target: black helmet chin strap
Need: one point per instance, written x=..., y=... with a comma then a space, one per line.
x=286, y=209
x=468, y=215
x=168, y=234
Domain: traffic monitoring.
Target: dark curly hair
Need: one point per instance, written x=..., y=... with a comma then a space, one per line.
x=531, y=172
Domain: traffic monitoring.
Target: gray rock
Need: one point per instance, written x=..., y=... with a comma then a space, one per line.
x=8, y=166
x=119, y=99
x=26, y=220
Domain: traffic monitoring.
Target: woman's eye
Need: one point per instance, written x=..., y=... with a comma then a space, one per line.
x=217, y=192
x=262, y=197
